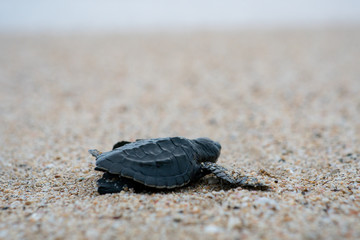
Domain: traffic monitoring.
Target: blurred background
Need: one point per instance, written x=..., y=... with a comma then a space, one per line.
x=111, y=15
x=133, y=61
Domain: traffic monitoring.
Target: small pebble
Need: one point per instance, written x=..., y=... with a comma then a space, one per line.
x=211, y=229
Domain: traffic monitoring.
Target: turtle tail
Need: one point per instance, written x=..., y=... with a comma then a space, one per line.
x=94, y=152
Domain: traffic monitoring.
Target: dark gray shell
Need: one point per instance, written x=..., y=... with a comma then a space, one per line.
x=159, y=163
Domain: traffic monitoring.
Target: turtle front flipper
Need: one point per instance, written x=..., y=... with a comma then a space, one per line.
x=221, y=173
x=251, y=183
x=218, y=171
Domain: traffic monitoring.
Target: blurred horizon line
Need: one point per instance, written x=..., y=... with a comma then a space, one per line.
x=161, y=15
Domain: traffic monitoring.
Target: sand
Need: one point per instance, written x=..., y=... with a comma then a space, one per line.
x=285, y=105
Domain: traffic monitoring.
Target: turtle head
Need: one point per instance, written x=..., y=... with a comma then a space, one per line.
x=207, y=150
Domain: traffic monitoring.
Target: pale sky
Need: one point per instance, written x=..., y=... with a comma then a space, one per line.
x=120, y=15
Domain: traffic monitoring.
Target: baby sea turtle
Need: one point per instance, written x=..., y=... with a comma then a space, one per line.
x=162, y=163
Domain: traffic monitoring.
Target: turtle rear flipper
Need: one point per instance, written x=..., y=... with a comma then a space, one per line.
x=111, y=183
x=120, y=144
x=94, y=152
x=221, y=173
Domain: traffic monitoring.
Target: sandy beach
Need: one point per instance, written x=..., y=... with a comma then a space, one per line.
x=285, y=106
